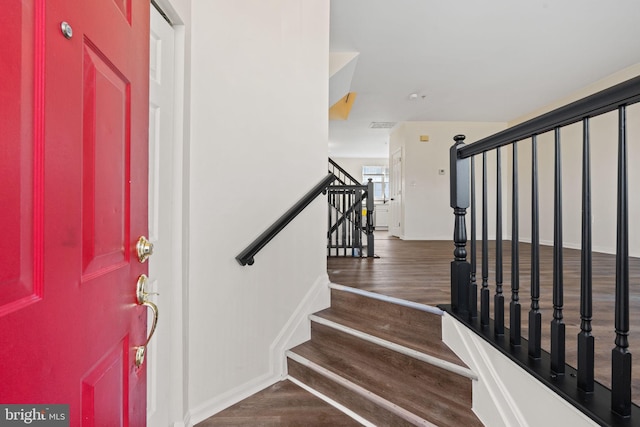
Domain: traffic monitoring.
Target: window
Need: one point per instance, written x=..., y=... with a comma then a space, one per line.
x=380, y=177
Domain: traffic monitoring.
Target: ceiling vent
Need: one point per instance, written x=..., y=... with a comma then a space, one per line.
x=382, y=125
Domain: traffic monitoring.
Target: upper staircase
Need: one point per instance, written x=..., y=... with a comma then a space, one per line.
x=350, y=230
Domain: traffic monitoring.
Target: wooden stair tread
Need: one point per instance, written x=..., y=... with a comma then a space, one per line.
x=424, y=337
x=425, y=390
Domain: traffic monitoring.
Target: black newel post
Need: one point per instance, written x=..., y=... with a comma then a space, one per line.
x=460, y=194
x=370, y=224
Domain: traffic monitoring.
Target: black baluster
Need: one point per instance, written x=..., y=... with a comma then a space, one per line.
x=620, y=355
x=585, y=339
x=352, y=221
x=460, y=268
x=329, y=217
x=352, y=215
x=514, y=307
x=473, y=286
x=344, y=223
x=347, y=220
x=338, y=217
x=535, y=317
x=484, y=293
x=557, y=324
x=336, y=231
x=332, y=198
x=498, y=300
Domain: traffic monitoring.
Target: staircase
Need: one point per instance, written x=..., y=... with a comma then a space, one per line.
x=384, y=360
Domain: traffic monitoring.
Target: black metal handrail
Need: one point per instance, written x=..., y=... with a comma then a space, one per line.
x=607, y=407
x=246, y=257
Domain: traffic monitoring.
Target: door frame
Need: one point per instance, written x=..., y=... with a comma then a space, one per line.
x=396, y=206
x=176, y=314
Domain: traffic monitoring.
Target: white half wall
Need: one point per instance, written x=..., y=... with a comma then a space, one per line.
x=259, y=78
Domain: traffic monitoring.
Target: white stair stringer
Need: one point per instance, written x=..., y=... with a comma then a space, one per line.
x=505, y=394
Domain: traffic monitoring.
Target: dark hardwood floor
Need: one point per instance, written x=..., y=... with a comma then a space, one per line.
x=284, y=404
x=419, y=271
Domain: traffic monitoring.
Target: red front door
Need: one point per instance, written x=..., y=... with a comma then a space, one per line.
x=73, y=202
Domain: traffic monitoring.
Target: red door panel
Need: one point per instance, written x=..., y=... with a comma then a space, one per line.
x=105, y=165
x=73, y=158
x=101, y=385
x=18, y=284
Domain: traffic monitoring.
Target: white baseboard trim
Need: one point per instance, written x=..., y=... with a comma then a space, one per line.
x=506, y=395
x=231, y=397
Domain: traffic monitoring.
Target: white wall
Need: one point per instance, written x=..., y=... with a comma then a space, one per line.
x=426, y=191
x=426, y=211
x=258, y=143
x=604, y=147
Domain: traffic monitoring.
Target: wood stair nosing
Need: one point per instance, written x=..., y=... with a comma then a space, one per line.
x=410, y=384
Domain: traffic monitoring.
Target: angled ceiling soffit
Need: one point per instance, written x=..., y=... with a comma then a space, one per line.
x=342, y=65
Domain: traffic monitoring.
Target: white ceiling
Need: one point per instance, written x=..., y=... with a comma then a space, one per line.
x=472, y=60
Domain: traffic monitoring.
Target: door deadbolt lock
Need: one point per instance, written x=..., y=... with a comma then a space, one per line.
x=144, y=249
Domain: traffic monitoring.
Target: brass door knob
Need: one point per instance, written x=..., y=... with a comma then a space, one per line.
x=141, y=299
